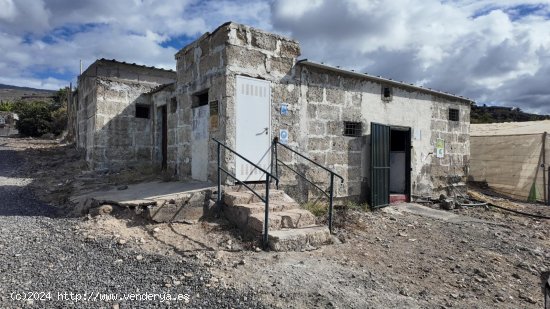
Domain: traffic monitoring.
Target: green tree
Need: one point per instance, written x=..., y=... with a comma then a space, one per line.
x=35, y=119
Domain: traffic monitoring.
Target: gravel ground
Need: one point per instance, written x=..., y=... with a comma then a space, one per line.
x=387, y=259
x=44, y=258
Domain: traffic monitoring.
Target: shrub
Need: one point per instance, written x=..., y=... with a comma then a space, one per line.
x=7, y=106
x=35, y=119
x=59, y=120
x=317, y=208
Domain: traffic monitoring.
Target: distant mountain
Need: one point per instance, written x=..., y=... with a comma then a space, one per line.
x=14, y=93
x=492, y=114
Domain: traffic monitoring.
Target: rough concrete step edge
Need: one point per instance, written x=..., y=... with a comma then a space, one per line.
x=306, y=238
x=299, y=218
x=256, y=208
x=232, y=198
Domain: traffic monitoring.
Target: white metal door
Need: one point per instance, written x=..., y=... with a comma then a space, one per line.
x=253, y=127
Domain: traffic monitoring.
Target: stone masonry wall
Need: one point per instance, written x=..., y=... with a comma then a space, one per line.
x=319, y=100
x=258, y=54
x=120, y=138
x=449, y=174
x=107, y=126
x=159, y=100
x=200, y=69
x=85, y=118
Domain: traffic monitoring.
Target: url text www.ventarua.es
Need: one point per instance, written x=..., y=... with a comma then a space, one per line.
x=96, y=296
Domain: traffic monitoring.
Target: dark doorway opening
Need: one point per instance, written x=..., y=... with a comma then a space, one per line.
x=400, y=164
x=390, y=165
x=164, y=137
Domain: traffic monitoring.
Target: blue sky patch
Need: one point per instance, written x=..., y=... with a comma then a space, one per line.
x=516, y=12
x=178, y=42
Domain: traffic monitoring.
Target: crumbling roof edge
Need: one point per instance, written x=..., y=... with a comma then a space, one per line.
x=160, y=88
x=126, y=63
x=384, y=80
x=228, y=23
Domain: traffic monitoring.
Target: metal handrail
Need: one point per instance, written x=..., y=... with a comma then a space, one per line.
x=268, y=175
x=276, y=140
x=330, y=195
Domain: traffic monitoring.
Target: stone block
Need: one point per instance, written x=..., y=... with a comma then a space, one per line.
x=290, y=49
x=281, y=65
x=263, y=40
x=318, y=144
x=337, y=157
x=314, y=94
x=335, y=128
x=312, y=110
x=144, y=154
x=245, y=59
x=316, y=127
x=329, y=112
x=119, y=153
x=335, y=96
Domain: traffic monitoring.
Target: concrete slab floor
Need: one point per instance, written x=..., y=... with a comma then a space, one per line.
x=146, y=191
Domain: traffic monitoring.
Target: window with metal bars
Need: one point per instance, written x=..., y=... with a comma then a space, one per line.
x=453, y=114
x=352, y=128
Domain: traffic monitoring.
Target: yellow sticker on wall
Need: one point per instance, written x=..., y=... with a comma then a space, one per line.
x=440, y=148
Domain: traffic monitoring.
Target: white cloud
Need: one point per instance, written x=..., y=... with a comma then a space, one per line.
x=484, y=49
x=471, y=48
x=53, y=35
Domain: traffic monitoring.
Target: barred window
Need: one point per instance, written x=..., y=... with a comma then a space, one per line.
x=352, y=128
x=453, y=114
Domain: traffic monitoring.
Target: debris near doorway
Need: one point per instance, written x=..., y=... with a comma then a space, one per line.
x=503, y=202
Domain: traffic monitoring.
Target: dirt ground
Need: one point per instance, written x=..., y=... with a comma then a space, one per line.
x=389, y=258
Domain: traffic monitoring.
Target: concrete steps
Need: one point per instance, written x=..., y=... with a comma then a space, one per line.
x=291, y=228
x=292, y=218
x=307, y=238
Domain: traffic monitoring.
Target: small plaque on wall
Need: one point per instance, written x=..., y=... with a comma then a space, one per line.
x=284, y=109
x=283, y=136
x=214, y=115
x=440, y=148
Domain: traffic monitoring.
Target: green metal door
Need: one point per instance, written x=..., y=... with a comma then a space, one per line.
x=379, y=165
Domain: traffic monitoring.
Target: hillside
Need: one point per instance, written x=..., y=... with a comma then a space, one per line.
x=14, y=93
x=492, y=114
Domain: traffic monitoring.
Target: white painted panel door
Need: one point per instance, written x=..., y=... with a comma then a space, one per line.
x=253, y=127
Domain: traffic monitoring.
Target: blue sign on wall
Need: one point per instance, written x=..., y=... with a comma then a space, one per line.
x=283, y=136
x=284, y=109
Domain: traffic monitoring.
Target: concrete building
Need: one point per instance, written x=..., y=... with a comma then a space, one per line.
x=244, y=87
x=113, y=120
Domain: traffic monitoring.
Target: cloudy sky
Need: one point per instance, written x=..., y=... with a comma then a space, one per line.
x=496, y=52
